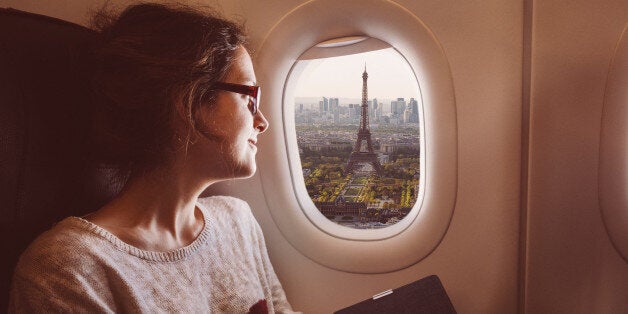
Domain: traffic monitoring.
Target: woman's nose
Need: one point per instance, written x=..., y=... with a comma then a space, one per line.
x=260, y=122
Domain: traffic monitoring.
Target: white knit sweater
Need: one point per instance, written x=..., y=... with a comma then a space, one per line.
x=78, y=266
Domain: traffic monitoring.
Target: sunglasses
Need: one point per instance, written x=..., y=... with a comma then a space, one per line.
x=254, y=93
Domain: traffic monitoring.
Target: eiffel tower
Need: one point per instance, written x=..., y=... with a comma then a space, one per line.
x=363, y=154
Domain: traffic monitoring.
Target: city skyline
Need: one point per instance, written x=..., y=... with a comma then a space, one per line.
x=358, y=178
x=332, y=111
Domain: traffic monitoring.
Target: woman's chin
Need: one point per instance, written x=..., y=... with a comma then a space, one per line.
x=251, y=171
x=244, y=170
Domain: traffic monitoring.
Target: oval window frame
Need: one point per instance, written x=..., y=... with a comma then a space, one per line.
x=279, y=50
x=612, y=166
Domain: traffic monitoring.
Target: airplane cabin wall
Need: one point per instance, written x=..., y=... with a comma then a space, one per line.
x=570, y=265
x=477, y=261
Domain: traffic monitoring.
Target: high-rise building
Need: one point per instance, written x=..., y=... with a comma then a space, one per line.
x=400, y=106
x=393, y=107
x=407, y=115
x=333, y=104
x=414, y=106
x=373, y=108
x=386, y=108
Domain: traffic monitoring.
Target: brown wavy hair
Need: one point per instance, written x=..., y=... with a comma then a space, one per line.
x=155, y=66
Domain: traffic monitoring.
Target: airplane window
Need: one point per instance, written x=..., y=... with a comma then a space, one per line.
x=420, y=156
x=358, y=124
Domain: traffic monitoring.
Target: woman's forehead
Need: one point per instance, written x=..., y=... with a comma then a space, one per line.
x=242, y=68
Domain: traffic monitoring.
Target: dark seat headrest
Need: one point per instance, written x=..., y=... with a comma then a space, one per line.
x=47, y=170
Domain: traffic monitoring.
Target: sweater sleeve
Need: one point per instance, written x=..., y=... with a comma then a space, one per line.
x=279, y=300
x=43, y=285
x=35, y=296
x=54, y=275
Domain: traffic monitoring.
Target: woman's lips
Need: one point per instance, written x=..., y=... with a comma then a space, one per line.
x=253, y=143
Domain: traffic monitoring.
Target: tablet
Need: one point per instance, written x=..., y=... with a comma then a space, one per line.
x=423, y=296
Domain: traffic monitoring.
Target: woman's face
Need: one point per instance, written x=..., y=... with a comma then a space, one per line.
x=230, y=129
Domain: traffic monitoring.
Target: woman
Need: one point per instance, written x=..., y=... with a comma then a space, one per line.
x=180, y=112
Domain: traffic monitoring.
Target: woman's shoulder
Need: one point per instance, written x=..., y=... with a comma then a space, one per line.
x=62, y=271
x=66, y=243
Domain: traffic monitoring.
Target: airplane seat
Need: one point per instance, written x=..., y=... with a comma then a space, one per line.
x=47, y=165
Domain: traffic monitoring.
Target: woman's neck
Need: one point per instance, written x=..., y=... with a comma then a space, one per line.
x=155, y=212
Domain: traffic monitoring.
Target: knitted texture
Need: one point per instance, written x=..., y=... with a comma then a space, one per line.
x=78, y=266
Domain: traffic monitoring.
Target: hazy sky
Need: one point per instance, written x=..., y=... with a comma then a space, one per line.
x=390, y=76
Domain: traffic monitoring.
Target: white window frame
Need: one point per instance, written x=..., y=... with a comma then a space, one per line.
x=308, y=231
x=613, y=161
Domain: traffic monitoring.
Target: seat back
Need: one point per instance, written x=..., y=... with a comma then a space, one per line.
x=47, y=169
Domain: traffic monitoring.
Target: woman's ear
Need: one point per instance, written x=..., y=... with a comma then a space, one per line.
x=203, y=125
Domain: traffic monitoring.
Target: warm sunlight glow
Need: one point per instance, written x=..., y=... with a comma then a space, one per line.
x=388, y=76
